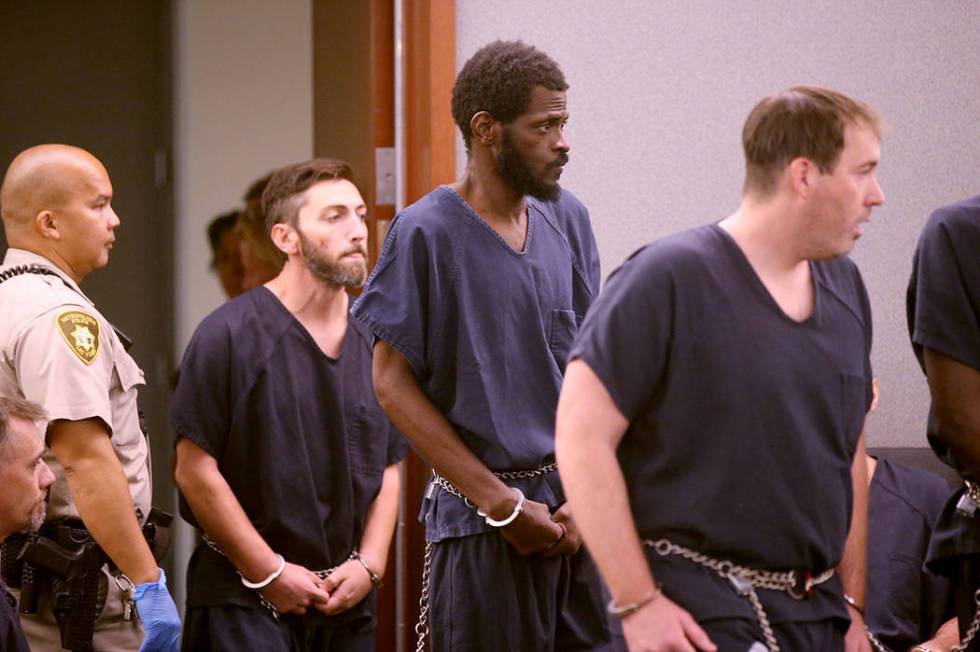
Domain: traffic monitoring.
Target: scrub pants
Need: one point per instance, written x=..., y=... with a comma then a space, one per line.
x=484, y=596
x=739, y=635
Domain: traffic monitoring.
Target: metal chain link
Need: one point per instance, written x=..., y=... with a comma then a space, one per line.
x=503, y=475
x=745, y=580
x=322, y=574
x=422, y=626
x=876, y=645
x=974, y=627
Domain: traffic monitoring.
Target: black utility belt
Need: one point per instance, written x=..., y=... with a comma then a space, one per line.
x=63, y=560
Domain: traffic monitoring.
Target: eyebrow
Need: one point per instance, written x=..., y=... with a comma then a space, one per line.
x=341, y=207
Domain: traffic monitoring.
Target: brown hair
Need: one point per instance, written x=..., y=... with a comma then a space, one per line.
x=17, y=408
x=803, y=121
x=280, y=201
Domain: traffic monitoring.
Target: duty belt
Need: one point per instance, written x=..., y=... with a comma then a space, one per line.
x=746, y=580
x=503, y=475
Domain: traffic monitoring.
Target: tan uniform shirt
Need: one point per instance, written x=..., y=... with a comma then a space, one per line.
x=57, y=350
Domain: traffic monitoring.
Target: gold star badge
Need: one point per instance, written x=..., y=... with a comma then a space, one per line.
x=81, y=332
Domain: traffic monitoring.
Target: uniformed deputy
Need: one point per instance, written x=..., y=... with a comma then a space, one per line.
x=60, y=352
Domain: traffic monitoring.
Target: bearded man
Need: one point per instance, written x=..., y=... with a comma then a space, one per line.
x=284, y=458
x=474, y=305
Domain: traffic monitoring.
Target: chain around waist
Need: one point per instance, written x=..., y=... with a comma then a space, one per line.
x=440, y=481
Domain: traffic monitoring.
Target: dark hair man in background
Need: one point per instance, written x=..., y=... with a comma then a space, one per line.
x=60, y=352
x=474, y=303
x=226, y=256
x=25, y=479
x=284, y=456
x=712, y=415
x=944, y=323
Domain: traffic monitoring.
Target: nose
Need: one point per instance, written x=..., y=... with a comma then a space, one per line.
x=114, y=220
x=360, y=231
x=562, y=144
x=46, y=477
x=877, y=196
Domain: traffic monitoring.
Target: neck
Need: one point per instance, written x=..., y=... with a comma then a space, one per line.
x=306, y=296
x=51, y=254
x=487, y=193
x=766, y=232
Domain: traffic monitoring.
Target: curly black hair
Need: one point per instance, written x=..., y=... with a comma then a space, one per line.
x=498, y=79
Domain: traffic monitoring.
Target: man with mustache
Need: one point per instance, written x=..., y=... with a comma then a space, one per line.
x=60, y=352
x=25, y=479
x=474, y=303
x=286, y=462
x=712, y=414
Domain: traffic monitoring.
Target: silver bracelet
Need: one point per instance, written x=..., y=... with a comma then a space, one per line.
x=518, y=508
x=267, y=581
x=851, y=601
x=921, y=648
x=626, y=609
x=375, y=578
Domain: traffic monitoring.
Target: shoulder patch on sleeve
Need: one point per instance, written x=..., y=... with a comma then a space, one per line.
x=81, y=332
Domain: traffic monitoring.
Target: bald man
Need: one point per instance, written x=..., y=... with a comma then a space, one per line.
x=61, y=353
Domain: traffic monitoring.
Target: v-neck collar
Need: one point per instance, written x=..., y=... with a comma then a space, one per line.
x=530, y=224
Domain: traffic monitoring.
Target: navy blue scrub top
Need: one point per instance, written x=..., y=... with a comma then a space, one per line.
x=11, y=636
x=486, y=329
x=743, y=422
x=299, y=436
x=943, y=304
x=906, y=603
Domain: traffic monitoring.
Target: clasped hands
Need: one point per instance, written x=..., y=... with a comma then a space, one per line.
x=298, y=589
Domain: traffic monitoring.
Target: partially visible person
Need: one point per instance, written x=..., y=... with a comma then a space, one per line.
x=943, y=304
x=261, y=259
x=285, y=459
x=25, y=479
x=226, y=255
x=908, y=607
x=59, y=351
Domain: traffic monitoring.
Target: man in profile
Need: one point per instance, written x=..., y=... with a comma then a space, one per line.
x=712, y=415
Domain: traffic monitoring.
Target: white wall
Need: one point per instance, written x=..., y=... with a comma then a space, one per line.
x=243, y=96
x=659, y=91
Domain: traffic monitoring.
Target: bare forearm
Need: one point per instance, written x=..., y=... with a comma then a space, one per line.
x=379, y=526
x=955, y=391
x=218, y=511
x=433, y=436
x=853, y=568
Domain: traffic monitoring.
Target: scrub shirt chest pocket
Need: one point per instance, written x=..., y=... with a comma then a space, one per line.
x=564, y=326
x=367, y=439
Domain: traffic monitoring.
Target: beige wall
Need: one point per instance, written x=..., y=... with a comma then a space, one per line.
x=659, y=91
x=243, y=99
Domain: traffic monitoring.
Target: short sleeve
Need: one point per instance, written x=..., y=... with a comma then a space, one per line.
x=946, y=286
x=625, y=337
x=397, y=446
x=64, y=361
x=394, y=303
x=202, y=404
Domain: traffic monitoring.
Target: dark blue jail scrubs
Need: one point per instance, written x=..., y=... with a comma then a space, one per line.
x=303, y=444
x=906, y=603
x=487, y=331
x=11, y=637
x=743, y=422
x=943, y=303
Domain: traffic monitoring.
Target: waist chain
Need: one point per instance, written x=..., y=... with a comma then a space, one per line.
x=440, y=481
x=746, y=580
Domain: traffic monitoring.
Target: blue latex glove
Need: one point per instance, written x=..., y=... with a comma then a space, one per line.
x=159, y=615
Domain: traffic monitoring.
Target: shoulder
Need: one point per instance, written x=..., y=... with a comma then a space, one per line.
x=957, y=222
x=437, y=214
x=678, y=254
x=241, y=319
x=922, y=491
x=361, y=335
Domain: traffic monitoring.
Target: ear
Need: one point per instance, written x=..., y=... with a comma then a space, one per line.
x=285, y=239
x=46, y=225
x=802, y=176
x=484, y=128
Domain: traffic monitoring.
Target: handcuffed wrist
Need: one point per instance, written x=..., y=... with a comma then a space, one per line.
x=624, y=610
x=273, y=576
x=375, y=578
x=518, y=508
x=851, y=601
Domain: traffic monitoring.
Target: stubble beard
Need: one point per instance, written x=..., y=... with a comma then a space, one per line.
x=512, y=168
x=330, y=271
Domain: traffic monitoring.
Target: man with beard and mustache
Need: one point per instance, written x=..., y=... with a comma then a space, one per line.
x=285, y=461
x=474, y=304
x=25, y=479
x=713, y=410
